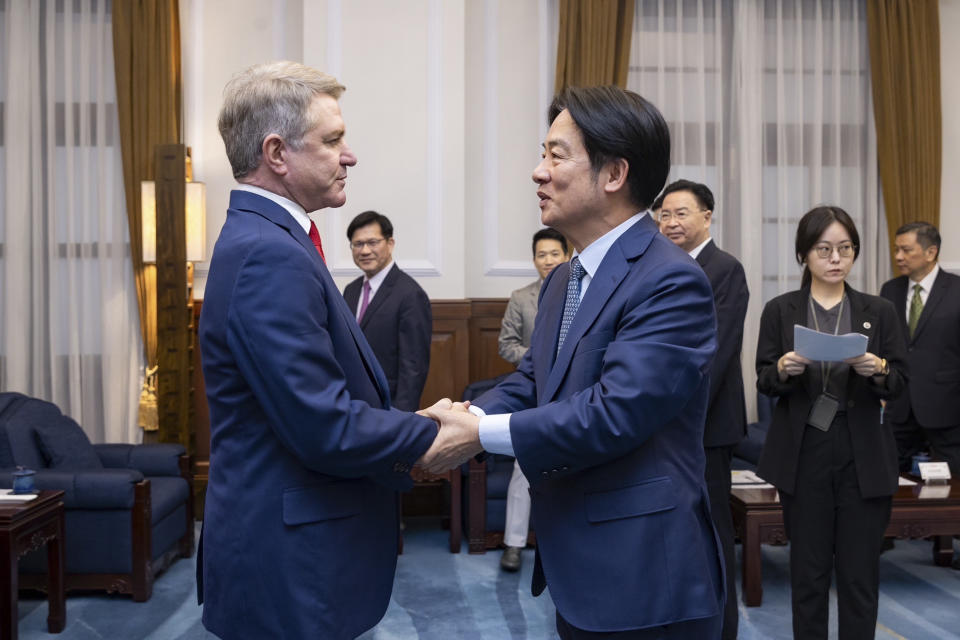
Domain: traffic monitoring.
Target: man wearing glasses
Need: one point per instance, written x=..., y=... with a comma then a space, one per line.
x=684, y=211
x=391, y=308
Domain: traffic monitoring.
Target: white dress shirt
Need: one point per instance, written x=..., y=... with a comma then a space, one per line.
x=495, y=428
x=697, y=249
x=292, y=207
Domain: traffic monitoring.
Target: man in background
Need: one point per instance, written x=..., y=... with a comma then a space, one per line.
x=549, y=250
x=928, y=301
x=391, y=308
x=300, y=526
x=685, y=213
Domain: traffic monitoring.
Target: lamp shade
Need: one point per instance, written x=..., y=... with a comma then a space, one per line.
x=196, y=220
x=148, y=217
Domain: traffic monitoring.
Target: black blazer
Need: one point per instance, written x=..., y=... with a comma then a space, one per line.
x=726, y=412
x=874, y=447
x=933, y=354
x=398, y=325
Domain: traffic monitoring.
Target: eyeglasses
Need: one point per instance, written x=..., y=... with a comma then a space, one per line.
x=824, y=251
x=679, y=215
x=360, y=244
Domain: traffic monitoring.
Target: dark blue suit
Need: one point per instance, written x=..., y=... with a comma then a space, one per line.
x=300, y=527
x=610, y=437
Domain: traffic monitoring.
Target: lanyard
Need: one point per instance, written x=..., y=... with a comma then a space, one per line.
x=825, y=371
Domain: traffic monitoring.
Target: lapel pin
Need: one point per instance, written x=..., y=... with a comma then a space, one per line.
x=866, y=325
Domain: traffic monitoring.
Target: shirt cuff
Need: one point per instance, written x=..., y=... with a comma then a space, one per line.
x=495, y=433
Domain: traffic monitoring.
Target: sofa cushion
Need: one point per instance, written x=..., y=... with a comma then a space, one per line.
x=6, y=453
x=20, y=417
x=65, y=446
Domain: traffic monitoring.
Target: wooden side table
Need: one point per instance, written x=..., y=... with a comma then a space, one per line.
x=453, y=477
x=25, y=527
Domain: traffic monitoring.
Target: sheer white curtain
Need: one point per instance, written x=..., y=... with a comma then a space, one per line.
x=69, y=331
x=769, y=104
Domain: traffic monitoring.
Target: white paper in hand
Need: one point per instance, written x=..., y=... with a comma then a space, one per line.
x=826, y=347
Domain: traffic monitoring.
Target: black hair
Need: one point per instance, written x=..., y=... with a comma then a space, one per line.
x=927, y=234
x=369, y=217
x=549, y=233
x=811, y=227
x=700, y=192
x=615, y=123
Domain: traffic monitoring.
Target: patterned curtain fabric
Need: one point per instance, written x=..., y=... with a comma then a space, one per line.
x=905, y=68
x=768, y=104
x=68, y=305
x=146, y=47
x=593, y=47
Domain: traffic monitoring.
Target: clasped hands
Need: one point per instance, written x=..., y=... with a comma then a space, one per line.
x=793, y=364
x=458, y=436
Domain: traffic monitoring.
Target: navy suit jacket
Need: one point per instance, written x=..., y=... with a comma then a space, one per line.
x=398, y=324
x=610, y=435
x=726, y=411
x=933, y=353
x=300, y=526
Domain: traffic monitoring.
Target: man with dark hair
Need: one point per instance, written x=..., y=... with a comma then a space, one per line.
x=605, y=413
x=685, y=213
x=549, y=250
x=391, y=308
x=928, y=301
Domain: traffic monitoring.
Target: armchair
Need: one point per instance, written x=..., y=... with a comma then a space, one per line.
x=129, y=508
x=485, y=488
x=746, y=454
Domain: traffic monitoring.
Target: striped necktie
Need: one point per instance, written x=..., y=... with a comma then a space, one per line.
x=573, y=299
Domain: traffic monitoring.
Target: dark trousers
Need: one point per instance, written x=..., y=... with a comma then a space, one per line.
x=718, y=488
x=705, y=629
x=913, y=438
x=831, y=527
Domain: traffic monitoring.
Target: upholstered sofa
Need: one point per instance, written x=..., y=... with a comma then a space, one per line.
x=485, y=489
x=746, y=455
x=129, y=508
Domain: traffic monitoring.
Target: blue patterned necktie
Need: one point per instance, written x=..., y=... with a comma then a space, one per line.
x=573, y=299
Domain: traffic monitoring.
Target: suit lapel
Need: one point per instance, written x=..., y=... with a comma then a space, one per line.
x=611, y=272
x=547, y=326
x=900, y=293
x=705, y=254
x=266, y=208
x=797, y=312
x=863, y=319
x=937, y=293
x=383, y=292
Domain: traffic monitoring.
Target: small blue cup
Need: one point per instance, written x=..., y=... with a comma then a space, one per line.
x=23, y=481
x=917, y=459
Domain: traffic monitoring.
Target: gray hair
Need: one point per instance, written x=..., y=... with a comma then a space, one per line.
x=271, y=98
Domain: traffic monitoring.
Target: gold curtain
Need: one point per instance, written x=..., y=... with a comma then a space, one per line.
x=905, y=72
x=146, y=51
x=593, y=47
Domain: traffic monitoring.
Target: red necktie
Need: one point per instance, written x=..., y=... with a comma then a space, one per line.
x=315, y=238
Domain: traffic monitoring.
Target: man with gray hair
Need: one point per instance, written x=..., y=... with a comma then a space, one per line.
x=301, y=526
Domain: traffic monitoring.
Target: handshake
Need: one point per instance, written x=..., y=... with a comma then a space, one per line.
x=458, y=437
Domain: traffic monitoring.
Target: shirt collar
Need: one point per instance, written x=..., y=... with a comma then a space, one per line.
x=380, y=276
x=292, y=207
x=593, y=254
x=927, y=283
x=697, y=249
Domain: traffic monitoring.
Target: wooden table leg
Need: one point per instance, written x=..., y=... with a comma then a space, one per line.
x=456, y=521
x=56, y=606
x=752, y=569
x=8, y=587
x=942, y=550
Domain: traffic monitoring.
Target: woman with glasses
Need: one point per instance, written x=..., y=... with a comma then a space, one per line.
x=828, y=451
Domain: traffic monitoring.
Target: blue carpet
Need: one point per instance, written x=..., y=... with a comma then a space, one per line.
x=442, y=596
